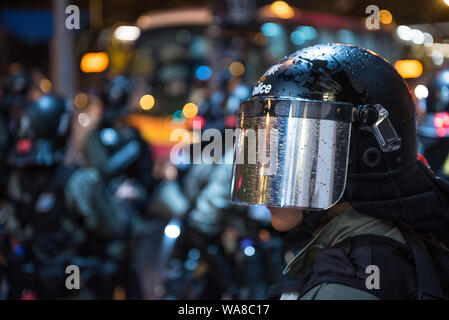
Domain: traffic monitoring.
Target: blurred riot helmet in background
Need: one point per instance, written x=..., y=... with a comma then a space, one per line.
x=116, y=98
x=14, y=98
x=43, y=132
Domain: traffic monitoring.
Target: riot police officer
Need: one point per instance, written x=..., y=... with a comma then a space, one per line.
x=13, y=100
x=344, y=176
x=117, y=150
x=59, y=215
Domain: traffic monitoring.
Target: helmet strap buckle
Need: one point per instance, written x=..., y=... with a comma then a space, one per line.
x=374, y=119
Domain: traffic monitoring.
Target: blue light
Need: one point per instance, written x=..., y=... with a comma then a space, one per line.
x=345, y=36
x=203, y=73
x=194, y=254
x=109, y=136
x=177, y=116
x=271, y=29
x=297, y=37
x=217, y=97
x=233, y=104
x=18, y=250
x=212, y=249
x=308, y=32
x=249, y=251
x=242, y=92
x=246, y=243
x=444, y=77
x=190, y=265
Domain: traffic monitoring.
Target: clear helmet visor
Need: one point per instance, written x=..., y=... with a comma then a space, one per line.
x=291, y=153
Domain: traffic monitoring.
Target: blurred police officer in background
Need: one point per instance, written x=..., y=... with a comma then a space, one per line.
x=13, y=99
x=220, y=244
x=345, y=177
x=118, y=151
x=57, y=215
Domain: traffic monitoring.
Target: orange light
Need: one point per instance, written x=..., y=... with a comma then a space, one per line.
x=94, y=62
x=119, y=293
x=282, y=10
x=45, y=85
x=156, y=130
x=80, y=100
x=409, y=68
x=264, y=235
x=147, y=102
x=190, y=110
x=385, y=16
x=236, y=69
x=260, y=39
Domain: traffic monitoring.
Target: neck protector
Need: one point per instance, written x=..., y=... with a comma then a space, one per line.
x=411, y=195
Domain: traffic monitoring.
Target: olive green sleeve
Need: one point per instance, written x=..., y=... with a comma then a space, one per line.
x=96, y=153
x=85, y=195
x=334, y=291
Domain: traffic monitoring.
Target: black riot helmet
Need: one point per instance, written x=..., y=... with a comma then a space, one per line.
x=327, y=113
x=43, y=132
x=118, y=92
x=45, y=118
x=18, y=83
x=13, y=99
x=115, y=100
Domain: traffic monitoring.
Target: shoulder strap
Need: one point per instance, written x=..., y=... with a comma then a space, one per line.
x=347, y=262
x=404, y=274
x=428, y=282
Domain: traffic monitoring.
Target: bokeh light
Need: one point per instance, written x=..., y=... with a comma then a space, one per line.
x=297, y=37
x=127, y=33
x=385, y=16
x=237, y=69
x=197, y=122
x=282, y=10
x=421, y=91
x=417, y=36
x=271, y=29
x=409, y=68
x=84, y=119
x=260, y=39
x=45, y=85
x=147, y=102
x=203, y=73
x=80, y=100
x=404, y=33
x=308, y=32
x=172, y=231
x=177, y=116
x=428, y=39
x=249, y=251
x=94, y=62
x=190, y=110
